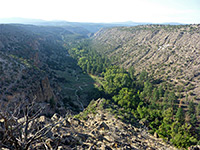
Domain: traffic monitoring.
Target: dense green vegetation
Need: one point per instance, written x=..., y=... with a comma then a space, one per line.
x=88, y=59
x=156, y=106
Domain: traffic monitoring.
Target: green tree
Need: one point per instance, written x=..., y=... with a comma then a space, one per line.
x=165, y=100
x=147, y=91
x=143, y=76
x=155, y=95
x=183, y=138
x=193, y=120
x=99, y=69
x=142, y=111
x=180, y=117
x=171, y=100
x=126, y=98
x=198, y=109
x=131, y=72
x=115, y=79
x=92, y=71
x=164, y=130
x=161, y=91
x=166, y=96
x=88, y=68
x=82, y=62
x=191, y=108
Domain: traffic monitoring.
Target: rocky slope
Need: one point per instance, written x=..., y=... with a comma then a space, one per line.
x=171, y=53
x=99, y=130
x=34, y=63
x=21, y=60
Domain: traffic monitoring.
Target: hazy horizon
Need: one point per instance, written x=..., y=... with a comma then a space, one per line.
x=31, y=20
x=104, y=11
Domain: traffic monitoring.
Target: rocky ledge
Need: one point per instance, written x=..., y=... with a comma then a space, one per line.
x=99, y=130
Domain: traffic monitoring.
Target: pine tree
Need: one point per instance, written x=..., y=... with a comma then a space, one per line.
x=193, y=120
x=131, y=72
x=155, y=94
x=171, y=100
x=147, y=91
x=191, y=108
x=92, y=71
x=88, y=67
x=143, y=76
x=161, y=91
x=166, y=96
x=198, y=109
x=180, y=115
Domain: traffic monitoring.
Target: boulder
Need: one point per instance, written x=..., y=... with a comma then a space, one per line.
x=66, y=123
x=81, y=137
x=1, y=122
x=74, y=121
x=85, y=145
x=196, y=147
x=92, y=147
x=42, y=119
x=103, y=126
x=3, y=148
x=49, y=142
x=100, y=117
x=150, y=148
x=55, y=117
x=127, y=147
x=60, y=148
x=155, y=135
x=109, y=138
x=107, y=147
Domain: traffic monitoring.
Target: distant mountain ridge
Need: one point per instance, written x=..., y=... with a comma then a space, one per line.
x=90, y=26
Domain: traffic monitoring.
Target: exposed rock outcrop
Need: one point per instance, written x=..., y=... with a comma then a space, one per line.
x=101, y=130
x=170, y=53
x=44, y=91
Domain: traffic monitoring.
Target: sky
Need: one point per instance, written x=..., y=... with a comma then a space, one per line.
x=154, y=11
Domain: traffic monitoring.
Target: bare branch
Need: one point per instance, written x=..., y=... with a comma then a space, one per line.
x=21, y=134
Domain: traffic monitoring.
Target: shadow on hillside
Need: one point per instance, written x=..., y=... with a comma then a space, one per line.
x=77, y=87
x=158, y=81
